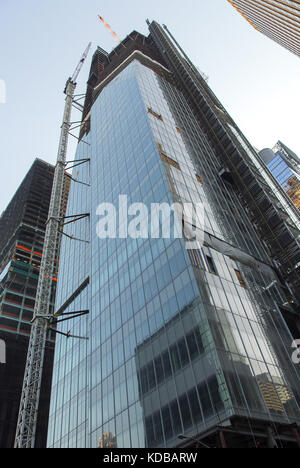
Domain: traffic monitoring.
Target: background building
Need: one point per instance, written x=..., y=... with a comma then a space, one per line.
x=285, y=167
x=180, y=340
x=277, y=19
x=22, y=229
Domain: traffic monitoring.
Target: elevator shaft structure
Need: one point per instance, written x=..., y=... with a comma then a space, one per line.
x=29, y=404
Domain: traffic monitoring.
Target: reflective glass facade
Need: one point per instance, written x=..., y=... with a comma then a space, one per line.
x=179, y=339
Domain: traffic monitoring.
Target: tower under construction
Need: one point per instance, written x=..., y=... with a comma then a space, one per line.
x=22, y=231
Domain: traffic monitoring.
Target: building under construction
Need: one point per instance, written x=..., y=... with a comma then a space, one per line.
x=186, y=345
x=22, y=230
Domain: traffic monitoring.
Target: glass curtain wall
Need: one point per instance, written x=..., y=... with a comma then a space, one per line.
x=179, y=340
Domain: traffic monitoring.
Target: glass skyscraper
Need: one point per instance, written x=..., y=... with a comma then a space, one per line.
x=177, y=340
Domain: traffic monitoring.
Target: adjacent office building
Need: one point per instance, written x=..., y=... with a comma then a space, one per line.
x=284, y=164
x=277, y=19
x=22, y=230
x=181, y=339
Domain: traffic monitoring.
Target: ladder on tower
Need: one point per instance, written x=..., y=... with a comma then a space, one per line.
x=29, y=404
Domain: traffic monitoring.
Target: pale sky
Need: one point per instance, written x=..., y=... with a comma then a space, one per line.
x=41, y=42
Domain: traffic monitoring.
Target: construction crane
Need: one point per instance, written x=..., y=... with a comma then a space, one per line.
x=115, y=36
x=29, y=404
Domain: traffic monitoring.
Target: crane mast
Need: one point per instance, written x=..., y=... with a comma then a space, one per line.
x=29, y=403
